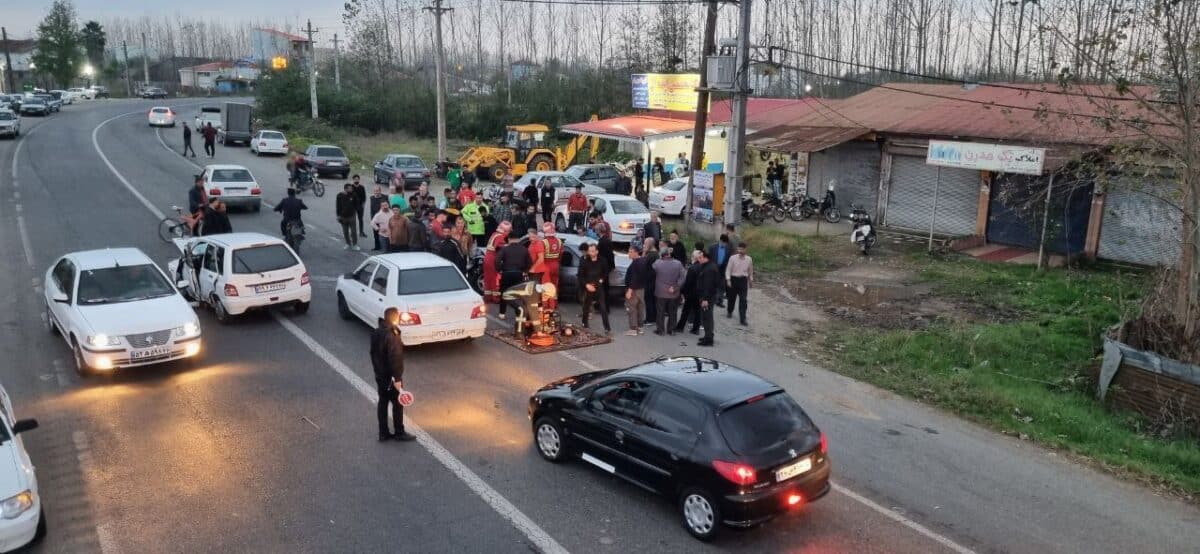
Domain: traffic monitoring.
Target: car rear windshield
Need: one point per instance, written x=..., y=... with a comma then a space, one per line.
x=231, y=176
x=752, y=427
x=675, y=184
x=122, y=284
x=428, y=280
x=161, y=110
x=627, y=207
x=261, y=259
x=409, y=162
x=272, y=135
x=330, y=152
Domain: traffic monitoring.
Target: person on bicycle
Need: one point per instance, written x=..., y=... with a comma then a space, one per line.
x=290, y=207
x=197, y=201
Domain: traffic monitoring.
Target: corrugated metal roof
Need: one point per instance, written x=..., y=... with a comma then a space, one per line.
x=630, y=127
x=790, y=138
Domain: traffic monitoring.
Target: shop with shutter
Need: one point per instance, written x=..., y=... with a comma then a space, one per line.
x=910, y=197
x=853, y=170
x=1141, y=224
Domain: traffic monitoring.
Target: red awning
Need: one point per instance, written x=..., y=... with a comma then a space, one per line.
x=631, y=128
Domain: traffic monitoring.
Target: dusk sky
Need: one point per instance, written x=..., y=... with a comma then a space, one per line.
x=21, y=18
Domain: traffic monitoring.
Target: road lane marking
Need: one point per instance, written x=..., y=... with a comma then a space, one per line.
x=96, y=144
x=898, y=518
x=25, y=244
x=540, y=539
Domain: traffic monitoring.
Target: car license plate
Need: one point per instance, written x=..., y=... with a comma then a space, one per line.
x=787, y=472
x=335, y=163
x=449, y=333
x=149, y=352
x=270, y=287
x=414, y=174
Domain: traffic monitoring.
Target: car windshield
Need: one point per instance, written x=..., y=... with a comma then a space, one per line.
x=675, y=185
x=161, y=110
x=330, y=152
x=409, y=162
x=231, y=176
x=427, y=280
x=34, y=101
x=122, y=284
x=752, y=427
x=627, y=207
x=575, y=171
x=5, y=116
x=272, y=135
x=261, y=259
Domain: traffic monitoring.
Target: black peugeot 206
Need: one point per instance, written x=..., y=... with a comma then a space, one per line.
x=730, y=447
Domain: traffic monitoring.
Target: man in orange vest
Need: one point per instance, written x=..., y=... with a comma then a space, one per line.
x=491, y=277
x=546, y=254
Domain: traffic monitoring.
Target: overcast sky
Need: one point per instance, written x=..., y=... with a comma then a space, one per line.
x=21, y=17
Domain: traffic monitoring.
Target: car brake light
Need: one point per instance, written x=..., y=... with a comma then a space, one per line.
x=480, y=310
x=669, y=198
x=740, y=474
x=824, y=444
x=230, y=290
x=256, y=191
x=304, y=279
x=214, y=192
x=410, y=318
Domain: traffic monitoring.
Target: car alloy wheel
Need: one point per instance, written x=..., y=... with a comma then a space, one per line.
x=700, y=514
x=549, y=440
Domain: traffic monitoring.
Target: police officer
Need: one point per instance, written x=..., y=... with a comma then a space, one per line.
x=387, y=359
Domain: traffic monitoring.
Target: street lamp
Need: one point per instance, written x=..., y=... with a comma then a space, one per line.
x=87, y=72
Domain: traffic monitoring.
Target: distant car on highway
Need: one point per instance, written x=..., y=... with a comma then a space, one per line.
x=726, y=446
x=233, y=273
x=34, y=106
x=99, y=91
x=154, y=92
x=671, y=198
x=53, y=103
x=63, y=96
x=161, y=116
x=268, y=142
x=23, y=521
x=328, y=159
x=624, y=214
x=116, y=309
x=234, y=184
x=564, y=184
x=436, y=304
x=412, y=167
x=10, y=102
x=601, y=175
x=82, y=93
x=10, y=124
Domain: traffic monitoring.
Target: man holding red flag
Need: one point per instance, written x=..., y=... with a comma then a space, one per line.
x=546, y=254
x=491, y=277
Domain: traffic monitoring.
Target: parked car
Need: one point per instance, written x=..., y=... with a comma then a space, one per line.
x=10, y=124
x=82, y=93
x=268, y=142
x=414, y=169
x=161, y=116
x=233, y=273
x=63, y=96
x=99, y=91
x=10, y=102
x=114, y=308
x=31, y=105
x=24, y=520
x=436, y=304
x=206, y=115
x=624, y=214
x=234, y=184
x=671, y=198
x=601, y=175
x=727, y=446
x=154, y=92
x=328, y=160
x=51, y=102
x=564, y=185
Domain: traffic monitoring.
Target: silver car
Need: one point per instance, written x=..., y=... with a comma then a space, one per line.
x=328, y=159
x=10, y=124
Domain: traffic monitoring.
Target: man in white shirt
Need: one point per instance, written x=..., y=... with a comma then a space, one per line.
x=739, y=275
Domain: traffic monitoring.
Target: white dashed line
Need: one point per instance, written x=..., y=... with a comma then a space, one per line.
x=26, y=246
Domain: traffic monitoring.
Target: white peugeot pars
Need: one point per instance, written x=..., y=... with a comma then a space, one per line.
x=237, y=272
x=21, y=519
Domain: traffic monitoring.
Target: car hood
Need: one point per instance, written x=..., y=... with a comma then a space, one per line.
x=155, y=314
x=12, y=476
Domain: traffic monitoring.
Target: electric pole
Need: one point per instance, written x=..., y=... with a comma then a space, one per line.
x=8, y=68
x=708, y=48
x=129, y=85
x=737, y=143
x=439, y=76
x=312, y=70
x=145, y=63
x=337, y=69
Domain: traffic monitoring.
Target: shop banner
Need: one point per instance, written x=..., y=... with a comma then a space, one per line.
x=662, y=91
x=986, y=157
x=702, y=196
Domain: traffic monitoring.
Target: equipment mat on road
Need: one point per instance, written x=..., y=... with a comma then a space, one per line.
x=582, y=339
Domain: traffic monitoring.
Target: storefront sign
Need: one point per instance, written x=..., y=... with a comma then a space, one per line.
x=797, y=181
x=702, y=196
x=661, y=91
x=986, y=157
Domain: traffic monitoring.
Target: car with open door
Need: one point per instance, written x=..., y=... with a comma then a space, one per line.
x=233, y=273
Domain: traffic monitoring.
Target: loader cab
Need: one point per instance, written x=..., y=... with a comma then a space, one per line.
x=525, y=139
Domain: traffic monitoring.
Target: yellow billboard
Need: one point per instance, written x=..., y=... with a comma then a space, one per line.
x=663, y=91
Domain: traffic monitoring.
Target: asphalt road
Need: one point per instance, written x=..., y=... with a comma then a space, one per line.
x=269, y=444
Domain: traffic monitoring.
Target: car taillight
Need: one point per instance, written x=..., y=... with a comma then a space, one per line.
x=256, y=191
x=824, y=444
x=214, y=192
x=304, y=279
x=230, y=290
x=172, y=112
x=410, y=318
x=740, y=474
x=669, y=198
x=285, y=146
x=479, y=311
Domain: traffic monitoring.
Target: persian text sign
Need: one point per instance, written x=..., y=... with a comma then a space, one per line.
x=986, y=157
x=660, y=91
x=702, y=196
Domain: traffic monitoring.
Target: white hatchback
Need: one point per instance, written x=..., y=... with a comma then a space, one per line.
x=433, y=297
x=115, y=309
x=234, y=184
x=268, y=142
x=237, y=272
x=21, y=517
x=161, y=116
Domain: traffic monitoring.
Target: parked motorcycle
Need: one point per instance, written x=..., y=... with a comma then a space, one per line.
x=863, y=234
x=827, y=208
x=752, y=212
x=775, y=206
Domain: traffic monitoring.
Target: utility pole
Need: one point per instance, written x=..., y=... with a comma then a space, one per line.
x=145, y=63
x=737, y=142
x=312, y=70
x=128, y=84
x=8, y=68
x=337, y=69
x=440, y=76
x=707, y=48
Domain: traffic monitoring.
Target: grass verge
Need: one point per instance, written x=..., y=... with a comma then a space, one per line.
x=1024, y=372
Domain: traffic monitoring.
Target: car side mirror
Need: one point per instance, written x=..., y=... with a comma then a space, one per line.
x=61, y=297
x=23, y=425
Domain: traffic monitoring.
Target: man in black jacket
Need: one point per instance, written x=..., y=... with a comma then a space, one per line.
x=548, y=196
x=719, y=254
x=691, y=301
x=592, y=278
x=448, y=248
x=513, y=264
x=346, y=207
x=707, y=290
x=360, y=201
x=529, y=194
x=387, y=359
x=215, y=220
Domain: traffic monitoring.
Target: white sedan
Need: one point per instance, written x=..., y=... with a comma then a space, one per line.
x=268, y=142
x=237, y=272
x=161, y=116
x=433, y=297
x=564, y=184
x=115, y=309
x=624, y=214
x=21, y=518
x=671, y=198
x=234, y=184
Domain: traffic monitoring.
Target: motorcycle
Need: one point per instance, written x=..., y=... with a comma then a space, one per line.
x=294, y=234
x=775, y=205
x=827, y=208
x=475, y=273
x=306, y=180
x=750, y=211
x=863, y=234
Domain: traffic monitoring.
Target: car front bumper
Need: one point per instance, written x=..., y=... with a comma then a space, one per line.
x=330, y=169
x=271, y=149
x=454, y=330
x=237, y=305
x=119, y=358
x=752, y=508
x=9, y=131
x=18, y=532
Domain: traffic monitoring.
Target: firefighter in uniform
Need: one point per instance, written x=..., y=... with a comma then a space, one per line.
x=546, y=254
x=491, y=277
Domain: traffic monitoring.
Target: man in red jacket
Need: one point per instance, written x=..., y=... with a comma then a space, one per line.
x=577, y=205
x=210, y=139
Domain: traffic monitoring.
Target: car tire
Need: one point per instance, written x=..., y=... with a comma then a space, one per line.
x=700, y=514
x=219, y=311
x=300, y=308
x=345, y=174
x=81, y=366
x=50, y=323
x=343, y=308
x=548, y=439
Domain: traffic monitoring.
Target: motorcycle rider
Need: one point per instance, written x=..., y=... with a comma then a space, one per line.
x=301, y=171
x=290, y=207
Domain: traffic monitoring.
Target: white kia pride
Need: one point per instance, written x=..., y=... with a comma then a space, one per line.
x=237, y=272
x=116, y=309
x=433, y=297
x=21, y=520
